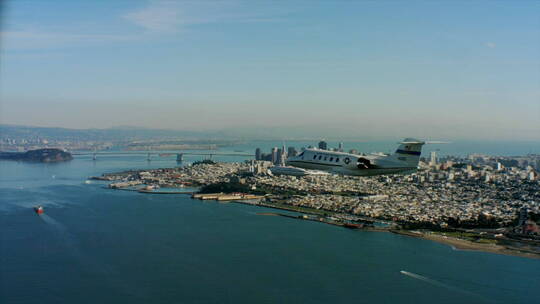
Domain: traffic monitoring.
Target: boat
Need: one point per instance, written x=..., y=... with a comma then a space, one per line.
x=352, y=225
x=38, y=209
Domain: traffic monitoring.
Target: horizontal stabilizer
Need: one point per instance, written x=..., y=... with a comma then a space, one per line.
x=412, y=141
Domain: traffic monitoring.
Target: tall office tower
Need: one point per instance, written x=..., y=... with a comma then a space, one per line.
x=274, y=155
x=433, y=160
x=353, y=151
x=323, y=145
x=284, y=151
x=258, y=154
x=279, y=157
x=340, y=147
x=291, y=151
x=499, y=166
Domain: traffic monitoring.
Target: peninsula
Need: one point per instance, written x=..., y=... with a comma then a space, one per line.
x=466, y=212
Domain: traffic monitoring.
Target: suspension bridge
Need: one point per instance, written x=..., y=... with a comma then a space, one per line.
x=179, y=155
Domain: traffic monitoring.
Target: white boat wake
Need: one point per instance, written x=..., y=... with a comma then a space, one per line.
x=423, y=278
x=62, y=231
x=90, y=264
x=439, y=284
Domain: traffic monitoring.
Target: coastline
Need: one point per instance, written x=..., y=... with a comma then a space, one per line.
x=465, y=245
x=455, y=243
x=219, y=174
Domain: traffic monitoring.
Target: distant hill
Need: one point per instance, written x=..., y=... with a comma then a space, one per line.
x=39, y=155
x=128, y=133
x=110, y=134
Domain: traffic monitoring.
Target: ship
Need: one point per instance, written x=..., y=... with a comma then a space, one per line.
x=352, y=225
x=38, y=209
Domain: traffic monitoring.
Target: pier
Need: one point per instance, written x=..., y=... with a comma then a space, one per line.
x=226, y=196
x=328, y=220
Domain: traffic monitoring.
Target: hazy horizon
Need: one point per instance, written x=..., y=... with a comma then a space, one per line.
x=432, y=70
x=262, y=134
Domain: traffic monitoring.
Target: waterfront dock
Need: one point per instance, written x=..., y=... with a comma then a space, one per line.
x=165, y=192
x=226, y=196
x=327, y=220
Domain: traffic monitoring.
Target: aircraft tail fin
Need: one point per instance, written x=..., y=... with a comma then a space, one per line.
x=409, y=151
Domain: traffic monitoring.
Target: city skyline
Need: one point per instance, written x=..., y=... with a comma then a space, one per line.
x=445, y=70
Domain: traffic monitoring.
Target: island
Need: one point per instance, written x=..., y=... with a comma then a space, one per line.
x=49, y=155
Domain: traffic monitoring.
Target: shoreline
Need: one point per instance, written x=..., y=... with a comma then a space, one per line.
x=456, y=243
x=466, y=245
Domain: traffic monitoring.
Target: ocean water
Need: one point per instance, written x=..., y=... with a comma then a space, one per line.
x=96, y=245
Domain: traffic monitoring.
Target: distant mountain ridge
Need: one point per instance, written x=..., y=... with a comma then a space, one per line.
x=111, y=134
x=131, y=133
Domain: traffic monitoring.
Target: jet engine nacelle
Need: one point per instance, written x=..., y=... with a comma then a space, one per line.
x=364, y=163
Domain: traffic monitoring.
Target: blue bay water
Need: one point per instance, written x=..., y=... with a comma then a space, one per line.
x=103, y=246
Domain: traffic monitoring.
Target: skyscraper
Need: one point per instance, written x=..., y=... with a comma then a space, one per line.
x=258, y=154
x=274, y=155
x=433, y=160
x=323, y=145
x=340, y=147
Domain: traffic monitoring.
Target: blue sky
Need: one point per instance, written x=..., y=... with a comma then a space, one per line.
x=431, y=69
